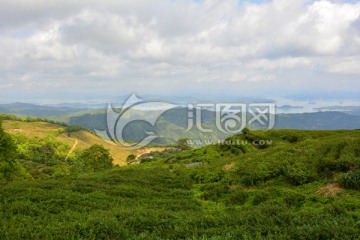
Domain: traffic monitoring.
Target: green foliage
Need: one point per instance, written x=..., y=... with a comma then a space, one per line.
x=8, y=152
x=29, y=119
x=260, y=197
x=157, y=155
x=8, y=117
x=260, y=193
x=183, y=144
x=245, y=131
x=213, y=191
x=42, y=157
x=67, y=128
x=72, y=129
x=58, y=132
x=350, y=180
x=46, y=151
x=294, y=199
x=291, y=138
x=154, y=203
x=299, y=173
x=249, y=180
x=170, y=126
x=96, y=158
x=258, y=139
x=131, y=158
x=233, y=145
x=237, y=197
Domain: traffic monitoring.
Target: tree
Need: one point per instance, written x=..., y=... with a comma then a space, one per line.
x=72, y=129
x=131, y=158
x=8, y=154
x=245, y=131
x=46, y=151
x=96, y=158
x=183, y=144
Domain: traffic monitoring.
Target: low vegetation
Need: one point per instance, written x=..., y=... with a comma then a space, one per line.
x=278, y=184
x=65, y=137
x=350, y=180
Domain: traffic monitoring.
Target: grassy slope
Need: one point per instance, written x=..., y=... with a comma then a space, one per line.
x=85, y=139
x=279, y=192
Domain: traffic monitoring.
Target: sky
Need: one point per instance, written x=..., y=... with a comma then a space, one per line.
x=90, y=50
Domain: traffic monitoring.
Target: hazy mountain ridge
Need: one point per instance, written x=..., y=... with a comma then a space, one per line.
x=173, y=123
x=32, y=110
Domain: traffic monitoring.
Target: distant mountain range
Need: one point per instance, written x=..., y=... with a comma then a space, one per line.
x=354, y=110
x=318, y=121
x=173, y=123
x=32, y=110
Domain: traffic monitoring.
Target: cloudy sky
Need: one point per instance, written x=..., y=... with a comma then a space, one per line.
x=96, y=49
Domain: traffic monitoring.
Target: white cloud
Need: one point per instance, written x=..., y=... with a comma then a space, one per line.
x=140, y=45
x=239, y=77
x=324, y=27
x=261, y=78
x=4, y=86
x=281, y=63
x=347, y=66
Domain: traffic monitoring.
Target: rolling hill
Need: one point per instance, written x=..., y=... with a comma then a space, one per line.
x=172, y=124
x=297, y=185
x=83, y=139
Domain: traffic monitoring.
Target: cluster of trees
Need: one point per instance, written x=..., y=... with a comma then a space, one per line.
x=25, y=157
x=8, y=155
x=29, y=119
x=95, y=158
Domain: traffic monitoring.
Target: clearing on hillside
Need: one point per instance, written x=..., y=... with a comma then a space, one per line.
x=84, y=139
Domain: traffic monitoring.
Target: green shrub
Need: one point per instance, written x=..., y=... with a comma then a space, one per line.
x=250, y=180
x=245, y=131
x=291, y=138
x=299, y=173
x=237, y=197
x=48, y=151
x=96, y=158
x=350, y=180
x=213, y=191
x=234, y=144
x=8, y=152
x=260, y=197
x=328, y=166
x=131, y=158
x=256, y=137
x=294, y=199
x=357, y=149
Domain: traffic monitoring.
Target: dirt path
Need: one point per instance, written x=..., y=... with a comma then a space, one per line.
x=330, y=190
x=72, y=149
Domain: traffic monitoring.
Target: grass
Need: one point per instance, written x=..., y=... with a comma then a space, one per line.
x=155, y=203
x=272, y=192
x=350, y=180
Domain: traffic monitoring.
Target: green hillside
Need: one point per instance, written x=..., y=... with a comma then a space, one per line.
x=81, y=139
x=279, y=184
